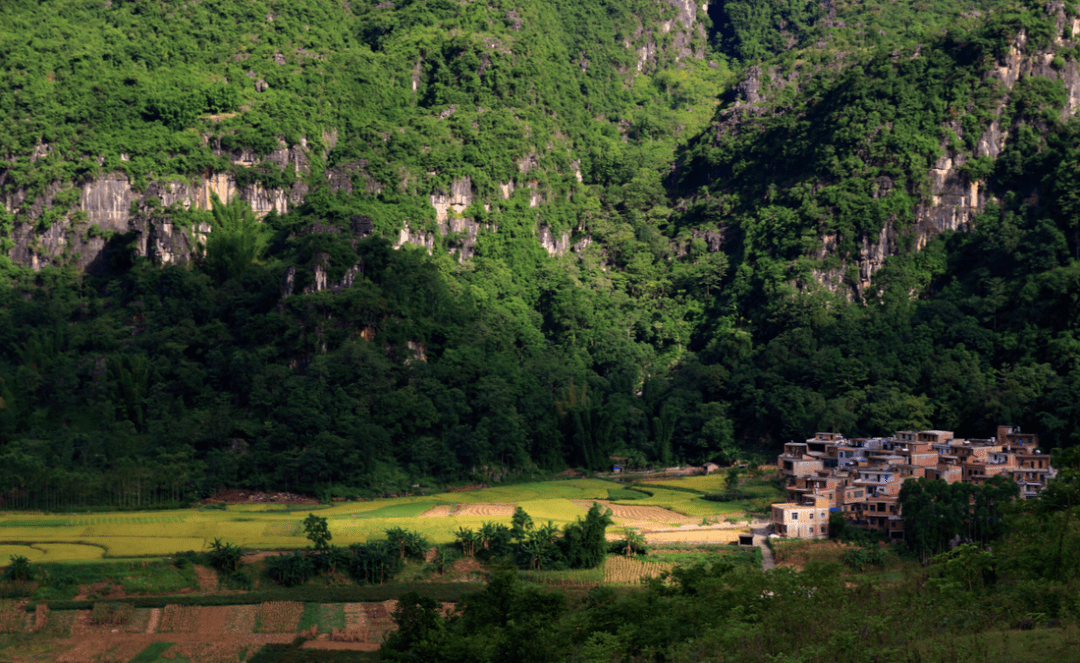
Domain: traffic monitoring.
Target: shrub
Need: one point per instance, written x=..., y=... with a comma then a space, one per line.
x=374, y=562
x=20, y=569
x=863, y=556
x=111, y=612
x=291, y=570
x=225, y=557
x=410, y=545
x=729, y=495
x=239, y=579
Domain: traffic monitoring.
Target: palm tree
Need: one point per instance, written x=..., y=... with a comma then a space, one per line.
x=238, y=238
x=635, y=542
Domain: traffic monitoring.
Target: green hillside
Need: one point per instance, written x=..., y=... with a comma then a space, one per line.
x=718, y=174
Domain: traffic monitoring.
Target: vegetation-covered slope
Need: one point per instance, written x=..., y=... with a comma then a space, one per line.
x=688, y=325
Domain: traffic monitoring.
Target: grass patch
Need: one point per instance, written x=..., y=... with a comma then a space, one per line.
x=626, y=494
x=152, y=653
x=264, y=527
x=397, y=510
x=331, y=616
x=702, y=483
x=159, y=579
x=1043, y=645
x=62, y=580
x=309, y=618
x=741, y=557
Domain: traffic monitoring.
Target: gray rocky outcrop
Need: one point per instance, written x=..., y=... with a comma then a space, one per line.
x=111, y=205
x=954, y=199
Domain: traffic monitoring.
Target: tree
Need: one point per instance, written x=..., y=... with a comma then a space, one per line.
x=584, y=543
x=421, y=630
x=410, y=545
x=225, y=556
x=237, y=240
x=634, y=542
x=317, y=531
x=520, y=524
x=1058, y=502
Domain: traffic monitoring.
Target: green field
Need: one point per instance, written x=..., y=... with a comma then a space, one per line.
x=60, y=537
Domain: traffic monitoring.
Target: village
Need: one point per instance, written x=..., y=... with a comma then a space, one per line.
x=861, y=477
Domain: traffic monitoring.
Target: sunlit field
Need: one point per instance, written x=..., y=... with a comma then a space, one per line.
x=82, y=537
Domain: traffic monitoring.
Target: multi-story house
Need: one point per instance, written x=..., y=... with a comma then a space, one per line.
x=808, y=519
x=861, y=477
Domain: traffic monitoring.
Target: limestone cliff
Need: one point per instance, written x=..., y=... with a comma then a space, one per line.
x=687, y=36
x=110, y=206
x=954, y=199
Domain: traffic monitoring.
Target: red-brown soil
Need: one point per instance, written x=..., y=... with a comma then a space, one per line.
x=256, y=497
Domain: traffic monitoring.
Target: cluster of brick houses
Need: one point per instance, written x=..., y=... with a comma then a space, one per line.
x=861, y=477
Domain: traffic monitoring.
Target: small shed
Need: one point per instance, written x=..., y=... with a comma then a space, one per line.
x=711, y=467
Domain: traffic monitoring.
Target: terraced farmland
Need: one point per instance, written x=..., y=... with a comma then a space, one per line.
x=274, y=526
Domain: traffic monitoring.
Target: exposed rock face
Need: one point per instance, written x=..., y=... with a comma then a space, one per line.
x=456, y=201
x=554, y=246
x=416, y=238
x=108, y=202
x=954, y=200
x=688, y=36
x=165, y=244
x=352, y=177
x=714, y=239
x=155, y=238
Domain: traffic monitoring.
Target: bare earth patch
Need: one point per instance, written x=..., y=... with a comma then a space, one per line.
x=239, y=619
x=380, y=620
x=692, y=536
x=256, y=497
x=212, y=620
x=208, y=580
x=484, y=510
x=155, y=620
x=440, y=511
x=179, y=619
x=639, y=514
x=340, y=645
x=251, y=558
x=279, y=616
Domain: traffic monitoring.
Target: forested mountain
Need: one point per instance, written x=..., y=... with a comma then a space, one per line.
x=350, y=246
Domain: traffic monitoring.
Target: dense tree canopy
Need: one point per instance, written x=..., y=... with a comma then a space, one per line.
x=688, y=325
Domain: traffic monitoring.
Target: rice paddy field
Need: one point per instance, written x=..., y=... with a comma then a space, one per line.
x=104, y=560
x=62, y=538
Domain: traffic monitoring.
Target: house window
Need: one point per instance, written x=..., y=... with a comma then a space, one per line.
x=811, y=516
x=811, y=530
x=794, y=516
x=823, y=515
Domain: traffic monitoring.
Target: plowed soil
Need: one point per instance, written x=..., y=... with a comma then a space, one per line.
x=469, y=511
x=440, y=511
x=208, y=580
x=484, y=510
x=657, y=515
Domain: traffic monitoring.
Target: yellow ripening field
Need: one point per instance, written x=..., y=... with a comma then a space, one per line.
x=60, y=537
x=688, y=504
